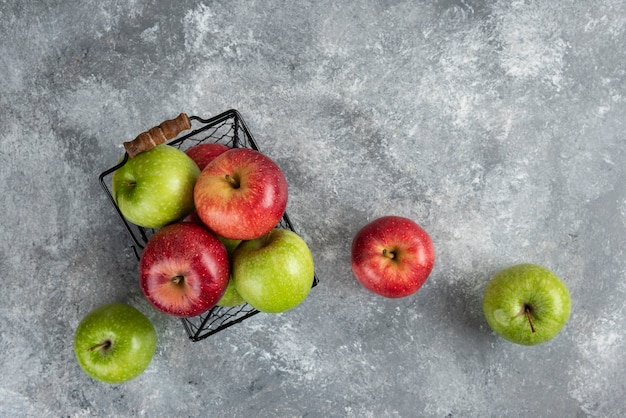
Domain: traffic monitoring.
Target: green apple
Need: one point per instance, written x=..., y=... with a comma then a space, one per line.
x=273, y=273
x=155, y=188
x=526, y=304
x=230, y=297
x=114, y=343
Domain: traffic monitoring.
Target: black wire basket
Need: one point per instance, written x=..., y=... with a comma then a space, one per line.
x=229, y=129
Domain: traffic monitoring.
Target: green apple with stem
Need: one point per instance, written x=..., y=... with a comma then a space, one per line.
x=526, y=304
x=114, y=343
x=155, y=188
x=275, y=272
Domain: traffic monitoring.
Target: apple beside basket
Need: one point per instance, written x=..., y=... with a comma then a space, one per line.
x=227, y=128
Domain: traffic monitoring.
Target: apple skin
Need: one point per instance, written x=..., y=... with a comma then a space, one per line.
x=241, y=194
x=114, y=343
x=204, y=153
x=392, y=256
x=155, y=187
x=231, y=297
x=274, y=273
x=184, y=269
x=513, y=289
x=193, y=217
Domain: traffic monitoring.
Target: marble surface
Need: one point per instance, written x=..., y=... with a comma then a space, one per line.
x=497, y=125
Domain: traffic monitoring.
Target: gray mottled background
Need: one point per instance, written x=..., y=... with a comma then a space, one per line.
x=497, y=125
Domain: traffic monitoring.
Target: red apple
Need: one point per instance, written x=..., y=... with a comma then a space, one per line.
x=392, y=256
x=204, y=153
x=192, y=217
x=184, y=269
x=241, y=194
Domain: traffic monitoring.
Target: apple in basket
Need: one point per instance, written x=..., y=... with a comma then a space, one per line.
x=184, y=269
x=392, y=256
x=204, y=153
x=241, y=194
x=231, y=297
x=155, y=187
x=275, y=272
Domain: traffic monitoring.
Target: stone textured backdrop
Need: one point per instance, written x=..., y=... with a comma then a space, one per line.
x=497, y=125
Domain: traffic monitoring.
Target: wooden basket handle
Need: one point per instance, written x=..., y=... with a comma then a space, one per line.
x=157, y=135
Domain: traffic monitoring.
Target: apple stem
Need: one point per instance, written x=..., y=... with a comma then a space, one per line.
x=232, y=181
x=389, y=254
x=178, y=279
x=106, y=344
x=530, y=321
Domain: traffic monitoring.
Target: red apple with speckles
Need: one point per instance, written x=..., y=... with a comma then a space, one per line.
x=392, y=256
x=184, y=269
x=241, y=194
x=204, y=153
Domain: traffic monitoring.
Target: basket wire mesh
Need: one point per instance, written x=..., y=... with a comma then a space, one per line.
x=229, y=129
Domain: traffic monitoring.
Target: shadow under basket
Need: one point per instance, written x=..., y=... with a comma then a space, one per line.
x=229, y=129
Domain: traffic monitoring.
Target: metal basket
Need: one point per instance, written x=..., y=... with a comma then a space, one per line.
x=229, y=129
